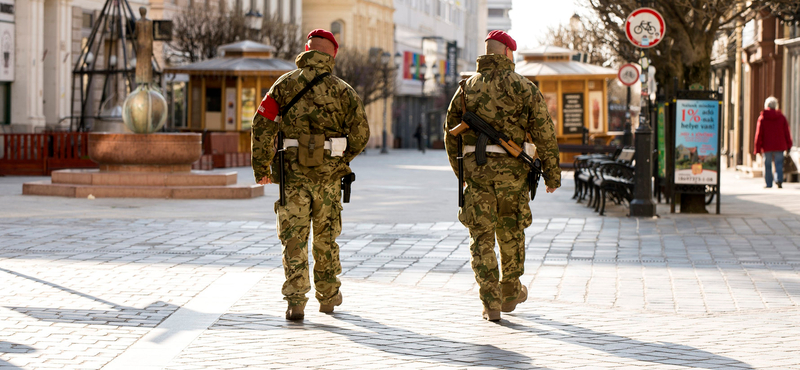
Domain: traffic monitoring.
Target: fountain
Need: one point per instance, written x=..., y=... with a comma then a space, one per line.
x=144, y=164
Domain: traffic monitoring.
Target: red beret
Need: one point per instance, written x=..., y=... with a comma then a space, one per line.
x=325, y=35
x=502, y=37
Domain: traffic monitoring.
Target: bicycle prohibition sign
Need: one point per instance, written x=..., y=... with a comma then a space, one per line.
x=645, y=27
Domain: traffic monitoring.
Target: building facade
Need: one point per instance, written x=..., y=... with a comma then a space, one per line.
x=497, y=15
x=43, y=39
x=751, y=62
x=362, y=25
x=436, y=39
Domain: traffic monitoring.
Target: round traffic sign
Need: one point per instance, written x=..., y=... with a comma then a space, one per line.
x=645, y=27
x=628, y=74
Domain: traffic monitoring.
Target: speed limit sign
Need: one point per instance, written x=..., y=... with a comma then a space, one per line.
x=628, y=74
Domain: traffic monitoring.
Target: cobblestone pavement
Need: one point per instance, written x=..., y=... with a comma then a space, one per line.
x=693, y=292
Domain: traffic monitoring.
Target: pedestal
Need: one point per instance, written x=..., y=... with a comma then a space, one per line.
x=144, y=166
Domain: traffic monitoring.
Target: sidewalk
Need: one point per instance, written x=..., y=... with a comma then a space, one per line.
x=135, y=284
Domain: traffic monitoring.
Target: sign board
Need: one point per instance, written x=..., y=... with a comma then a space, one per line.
x=628, y=74
x=452, y=63
x=645, y=28
x=573, y=113
x=696, y=142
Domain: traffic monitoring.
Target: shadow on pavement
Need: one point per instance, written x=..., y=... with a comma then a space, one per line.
x=116, y=315
x=385, y=338
x=664, y=353
x=8, y=347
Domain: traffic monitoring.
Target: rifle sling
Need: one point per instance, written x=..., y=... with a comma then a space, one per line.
x=302, y=92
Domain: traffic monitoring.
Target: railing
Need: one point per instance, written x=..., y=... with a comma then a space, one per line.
x=40, y=154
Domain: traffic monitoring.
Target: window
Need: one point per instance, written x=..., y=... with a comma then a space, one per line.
x=267, y=12
x=292, y=11
x=497, y=13
x=280, y=11
x=88, y=20
x=337, y=29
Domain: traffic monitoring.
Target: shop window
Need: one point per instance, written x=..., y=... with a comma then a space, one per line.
x=497, y=13
x=213, y=99
x=248, y=107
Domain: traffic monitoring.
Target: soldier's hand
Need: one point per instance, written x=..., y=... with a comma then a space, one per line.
x=265, y=180
x=550, y=190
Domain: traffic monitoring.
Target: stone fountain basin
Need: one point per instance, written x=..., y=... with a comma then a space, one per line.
x=173, y=152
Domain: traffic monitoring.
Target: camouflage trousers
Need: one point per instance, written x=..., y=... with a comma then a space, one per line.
x=311, y=207
x=496, y=204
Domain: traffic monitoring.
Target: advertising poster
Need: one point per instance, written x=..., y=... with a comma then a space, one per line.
x=696, y=151
x=573, y=113
x=6, y=51
x=551, y=99
x=230, y=108
x=661, y=142
x=412, y=63
x=596, y=112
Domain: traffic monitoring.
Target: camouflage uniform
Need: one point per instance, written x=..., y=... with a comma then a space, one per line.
x=313, y=194
x=496, y=197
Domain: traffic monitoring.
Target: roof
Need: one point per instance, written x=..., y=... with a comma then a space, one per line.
x=236, y=67
x=546, y=50
x=247, y=46
x=538, y=69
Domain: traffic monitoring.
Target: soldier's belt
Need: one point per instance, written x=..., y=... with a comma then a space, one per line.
x=530, y=149
x=489, y=149
x=337, y=145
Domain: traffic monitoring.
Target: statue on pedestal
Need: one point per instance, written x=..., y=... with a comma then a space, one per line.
x=145, y=109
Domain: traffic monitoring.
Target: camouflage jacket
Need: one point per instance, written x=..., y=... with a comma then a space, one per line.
x=513, y=105
x=331, y=108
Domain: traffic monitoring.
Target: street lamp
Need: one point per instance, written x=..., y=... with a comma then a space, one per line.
x=386, y=60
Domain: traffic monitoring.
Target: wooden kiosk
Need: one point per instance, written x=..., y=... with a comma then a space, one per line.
x=576, y=93
x=225, y=92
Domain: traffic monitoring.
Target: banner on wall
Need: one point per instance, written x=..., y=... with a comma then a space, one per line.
x=696, y=142
x=551, y=99
x=596, y=124
x=451, y=73
x=412, y=65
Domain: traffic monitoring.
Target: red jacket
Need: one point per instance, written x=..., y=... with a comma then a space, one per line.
x=772, y=132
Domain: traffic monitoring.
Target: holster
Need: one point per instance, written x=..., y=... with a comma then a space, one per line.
x=311, y=149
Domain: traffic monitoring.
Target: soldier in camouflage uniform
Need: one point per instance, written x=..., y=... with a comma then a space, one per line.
x=313, y=194
x=496, y=196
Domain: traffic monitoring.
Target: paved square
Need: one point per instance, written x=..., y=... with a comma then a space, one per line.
x=138, y=289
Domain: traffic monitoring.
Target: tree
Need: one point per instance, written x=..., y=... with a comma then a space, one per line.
x=692, y=25
x=582, y=34
x=284, y=37
x=200, y=31
x=365, y=73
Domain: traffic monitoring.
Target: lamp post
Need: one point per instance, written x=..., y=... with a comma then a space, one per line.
x=386, y=67
x=642, y=205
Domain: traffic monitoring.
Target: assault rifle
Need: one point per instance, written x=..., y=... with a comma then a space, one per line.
x=281, y=171
x=487, y=132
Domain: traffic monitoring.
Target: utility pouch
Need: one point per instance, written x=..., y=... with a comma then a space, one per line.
x=311, y=149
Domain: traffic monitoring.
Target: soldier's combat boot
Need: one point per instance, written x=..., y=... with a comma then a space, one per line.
x=295, y=312
x=328, y=308
x=491, y=315
x=522, y=297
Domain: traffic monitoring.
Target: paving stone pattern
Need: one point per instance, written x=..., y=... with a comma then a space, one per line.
x=702, y=292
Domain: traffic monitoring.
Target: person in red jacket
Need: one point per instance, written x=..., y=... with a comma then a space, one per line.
x=772, y=139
